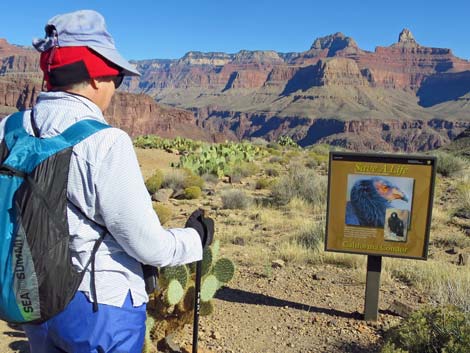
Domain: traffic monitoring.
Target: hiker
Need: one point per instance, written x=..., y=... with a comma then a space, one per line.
x=106, y=197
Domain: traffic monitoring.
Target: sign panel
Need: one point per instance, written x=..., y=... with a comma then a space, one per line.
x=379, y=204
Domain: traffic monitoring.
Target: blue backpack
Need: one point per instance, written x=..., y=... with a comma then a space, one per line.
x=37, y=278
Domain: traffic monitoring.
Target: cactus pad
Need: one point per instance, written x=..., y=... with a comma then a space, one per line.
x=224, y=269
x=208, y=287
x=206, y=261
x=174, y=293
x=179, y=273
x=215, y=248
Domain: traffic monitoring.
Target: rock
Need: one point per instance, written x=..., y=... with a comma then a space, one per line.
x=209, y=192
x=162, y=195
x=463, y=214
x=179, y=194
x=452, y=251
x=238, y=241
x=318, y=277
x=215, y=335
x=406, y=37
x=167, y=345
x=332, y=323
x=172, y=151
x=463, y=259
x=401, y=309
x=278, y=263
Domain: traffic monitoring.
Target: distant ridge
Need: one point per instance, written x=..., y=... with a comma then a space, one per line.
x=404, y=96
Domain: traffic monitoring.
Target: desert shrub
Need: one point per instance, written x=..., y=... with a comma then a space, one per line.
x=192, y=192
x=235, y=199
x=244, y=169
x=271, y=170
x=454, y=240
x=319, y=158
x=320, y=149
x=174, y=179
x=277, y=160
x=293, y=155
x=312, y=236
x=164, y=213
x=273, y=146
x=312, y=163
x=448, y=164
x=263, y=183
x=302, y=183
x=210, y=178
x=154, y=182
x=431, y=330
x=446, y=283
x=193, y=180
x=259, y=141
x=235, y=177
x=463, y=198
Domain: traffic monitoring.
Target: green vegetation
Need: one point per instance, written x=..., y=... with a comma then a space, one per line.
x=263, y=183
x=287, y=222
x=220, y=159
x=164, y=213
x=171, y=306
x=192, y=192
x=301, y=183
x=287, y=141
x=463, y=198
x=448, y=164
x=430, y=330
x=312, y=237
x=154, y=182
x=180, y=144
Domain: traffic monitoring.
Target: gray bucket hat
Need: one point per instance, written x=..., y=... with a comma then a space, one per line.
x=84, y=28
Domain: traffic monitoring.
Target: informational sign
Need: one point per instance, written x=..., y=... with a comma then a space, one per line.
x=380, y=204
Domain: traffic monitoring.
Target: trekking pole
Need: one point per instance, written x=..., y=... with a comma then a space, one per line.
x=197, y=294
x=197, y=304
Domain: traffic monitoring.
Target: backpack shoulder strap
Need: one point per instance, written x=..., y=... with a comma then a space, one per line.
x=81, y=130
x=38, y=149
x=14, y=128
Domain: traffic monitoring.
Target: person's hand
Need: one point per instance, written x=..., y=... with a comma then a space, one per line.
x=203, y=225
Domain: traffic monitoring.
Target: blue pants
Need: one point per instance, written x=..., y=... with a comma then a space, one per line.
x=78, y=329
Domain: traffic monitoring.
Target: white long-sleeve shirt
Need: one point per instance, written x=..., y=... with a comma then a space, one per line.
x=106, y=193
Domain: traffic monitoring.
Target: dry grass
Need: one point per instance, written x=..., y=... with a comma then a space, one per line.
x=446, y=283
x=272, y=232
x=463, y=199
x=152, y=159
x=440, y=219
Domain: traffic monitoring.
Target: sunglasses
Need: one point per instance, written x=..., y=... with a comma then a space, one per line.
x=117, y=80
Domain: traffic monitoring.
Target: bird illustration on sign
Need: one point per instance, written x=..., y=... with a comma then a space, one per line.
x=369, y=197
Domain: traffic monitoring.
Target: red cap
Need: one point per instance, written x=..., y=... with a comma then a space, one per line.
x=64, y=66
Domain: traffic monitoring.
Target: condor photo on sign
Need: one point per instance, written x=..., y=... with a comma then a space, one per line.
x=380, y=204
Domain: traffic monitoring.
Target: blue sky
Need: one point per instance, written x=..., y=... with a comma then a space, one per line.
x=146, y=29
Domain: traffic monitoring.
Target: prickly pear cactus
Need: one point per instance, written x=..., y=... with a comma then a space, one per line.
x=171, y=306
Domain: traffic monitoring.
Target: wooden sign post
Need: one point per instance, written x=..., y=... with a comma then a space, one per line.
x=379, y=205
x=371, y=305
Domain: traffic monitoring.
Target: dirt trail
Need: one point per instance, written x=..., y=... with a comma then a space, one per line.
x=293, y=309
